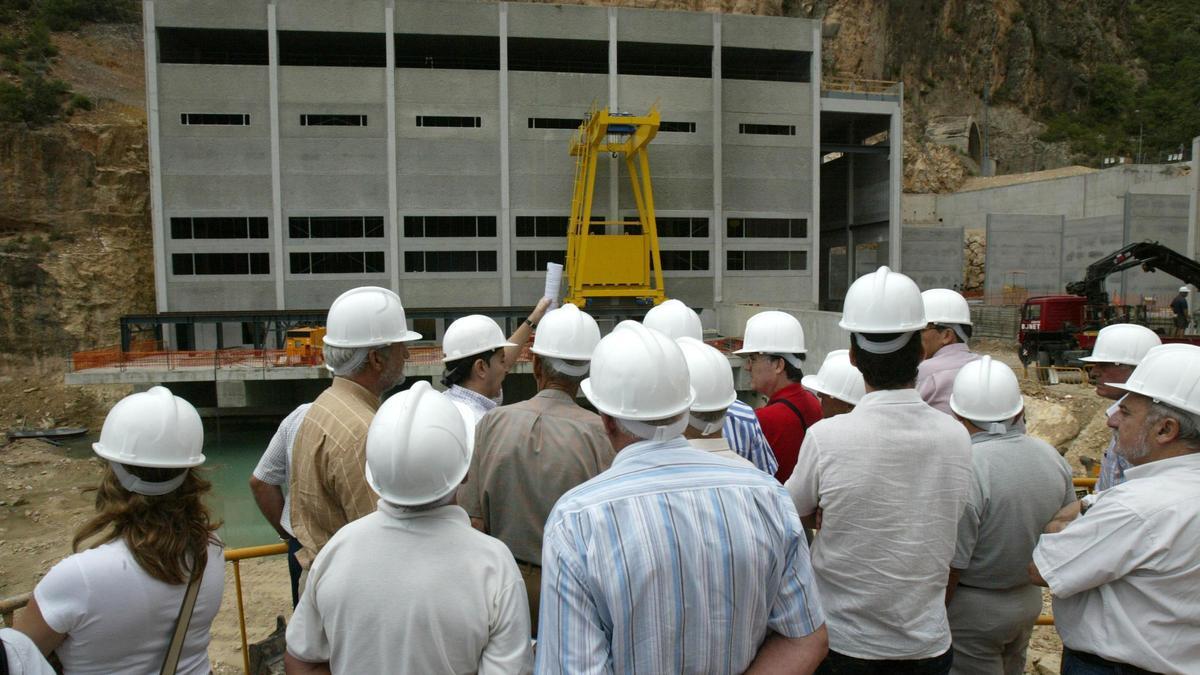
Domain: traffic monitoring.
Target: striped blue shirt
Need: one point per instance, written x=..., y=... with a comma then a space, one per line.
x=672, y=561
x=745, y=436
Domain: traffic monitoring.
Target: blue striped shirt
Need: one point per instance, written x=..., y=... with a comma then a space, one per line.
x=672, y=561
x=745, y=436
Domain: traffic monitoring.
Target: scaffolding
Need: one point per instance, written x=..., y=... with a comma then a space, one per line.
x=613, y=258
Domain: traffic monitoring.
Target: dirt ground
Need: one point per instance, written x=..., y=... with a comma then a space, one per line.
x=47, y=492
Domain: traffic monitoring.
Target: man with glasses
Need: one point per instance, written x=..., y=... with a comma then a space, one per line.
x=944, y=342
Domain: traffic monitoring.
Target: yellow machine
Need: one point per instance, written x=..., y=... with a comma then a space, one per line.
x=601, y=263
x=304, y=345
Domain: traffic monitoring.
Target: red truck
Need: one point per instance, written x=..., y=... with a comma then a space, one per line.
x=1057, y=329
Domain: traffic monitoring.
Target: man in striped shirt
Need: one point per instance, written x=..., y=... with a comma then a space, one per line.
x=742, y=430
x=673, y=560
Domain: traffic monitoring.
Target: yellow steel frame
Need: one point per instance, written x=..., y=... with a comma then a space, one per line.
x=613, y=265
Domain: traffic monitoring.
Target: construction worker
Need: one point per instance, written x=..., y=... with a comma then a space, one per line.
x=890, y=479
x=528, y=454
x=1124, y=573
x=838, y=384
x=712, y=380
x=267, y=482
x=673, y=560
x=364, y=349
x=477, y=358
x=412, y=588
x=944, y=342
x=1118, y=350
x=141, y=593
x=773, y=349
x=1179, y=305
x=742, y=430
x=1020, y=483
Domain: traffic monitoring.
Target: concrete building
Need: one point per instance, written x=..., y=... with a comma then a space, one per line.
x=302, y=148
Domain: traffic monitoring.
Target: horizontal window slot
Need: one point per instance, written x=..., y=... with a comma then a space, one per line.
x=449, y=261
x=200, y=264
x=684, y=261
x=212, y=46
x=768, y=129
x=452, y=52
x=234, y=227
x=664, y=60
x=335, y=227
x=769, y=65
x=677, y=127
x=558, y=56
x=747, y=261
x=321, y=120
x=336, y=262
x=215, y=119
x=554, y=123
x=326, y=48
x=682, y=227
x=449, y=226
x=450, y=121
x=535, y=260
x=766, y=228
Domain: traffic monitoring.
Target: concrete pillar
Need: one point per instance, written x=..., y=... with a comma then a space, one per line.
x=614, y=167
x=895, y=181
x=814, y=221
x=393, y=215
x=157, y=230
x=718, y=138
x=231, y=394
x=505, y=230
x=278, y=269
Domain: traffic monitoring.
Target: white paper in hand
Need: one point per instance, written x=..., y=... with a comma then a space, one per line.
x=553, y=280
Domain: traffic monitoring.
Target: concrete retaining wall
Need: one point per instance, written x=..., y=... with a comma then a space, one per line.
x=933, y=256
x=1024, y=250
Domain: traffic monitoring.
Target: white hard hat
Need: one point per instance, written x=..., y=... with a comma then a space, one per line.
x=638, y=374
x=1184, y=289
x=773, y=332
x=883, y=302
x=944, y=306
x=367, y=316
x=837, y=378
x=418, y=447
x=566, y=333
x=986, y=391
x=153, y=428
x=1169, y=374
x=1124, y=343
x=675, y=320
x=710, y=373
x=470, y=335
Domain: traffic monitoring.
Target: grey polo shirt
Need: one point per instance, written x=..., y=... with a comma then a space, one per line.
x=1020, y=483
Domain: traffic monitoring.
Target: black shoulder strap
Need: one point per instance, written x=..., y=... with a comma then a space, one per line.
x=803, y=422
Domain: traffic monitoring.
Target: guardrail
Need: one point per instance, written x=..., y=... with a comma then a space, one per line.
x=9, y=606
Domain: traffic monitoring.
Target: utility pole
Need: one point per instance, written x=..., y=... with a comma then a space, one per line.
x=1139, y=152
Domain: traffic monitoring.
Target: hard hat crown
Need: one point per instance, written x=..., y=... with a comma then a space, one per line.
x=470, y=335
x=153, y=428
x=986, y=391
x=883, y=302
x=944, y=306
x=638, y=374
x=675, y=320
x=710, y=374
x=1123, y=343
x=1169, y=374
x=837, y=378
x=419, y=446
x=566, y=333
x=773, y=332
x=367, y=316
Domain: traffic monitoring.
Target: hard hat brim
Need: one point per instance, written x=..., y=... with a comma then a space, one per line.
x=458, y=357
x=406, y=336
x=104, y=453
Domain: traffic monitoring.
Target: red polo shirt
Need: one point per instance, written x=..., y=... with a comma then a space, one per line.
x=784, y=429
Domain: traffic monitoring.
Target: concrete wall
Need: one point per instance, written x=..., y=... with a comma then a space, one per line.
x=229, y=170
x=1024, y=250
x=1161, y=218
x=1087, y=239
x=933, y=256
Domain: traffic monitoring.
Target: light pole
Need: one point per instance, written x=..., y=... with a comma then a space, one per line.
x=1139, y=152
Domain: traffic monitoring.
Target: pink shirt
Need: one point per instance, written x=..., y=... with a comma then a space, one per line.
x=935, y=375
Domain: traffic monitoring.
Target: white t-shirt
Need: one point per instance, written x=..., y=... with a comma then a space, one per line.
x=1126, y=576
x=413, y=592
x=24, y=658
x=119, y=619
x=891, y=478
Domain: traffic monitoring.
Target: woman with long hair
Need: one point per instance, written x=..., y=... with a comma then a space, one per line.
x=148, y=565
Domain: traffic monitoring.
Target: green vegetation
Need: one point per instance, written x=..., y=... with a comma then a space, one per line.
x=27, y=95
x=1163, y=110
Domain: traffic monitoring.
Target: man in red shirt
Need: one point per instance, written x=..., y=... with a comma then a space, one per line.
x=772, y=353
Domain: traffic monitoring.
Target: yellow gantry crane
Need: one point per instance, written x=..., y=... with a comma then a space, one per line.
x=602, y=263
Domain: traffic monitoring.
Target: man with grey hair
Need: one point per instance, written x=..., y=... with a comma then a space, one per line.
x=529, y=453
x=364, y=349
x=1124, y=573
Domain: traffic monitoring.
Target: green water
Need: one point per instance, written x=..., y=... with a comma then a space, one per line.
x=232, y=448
